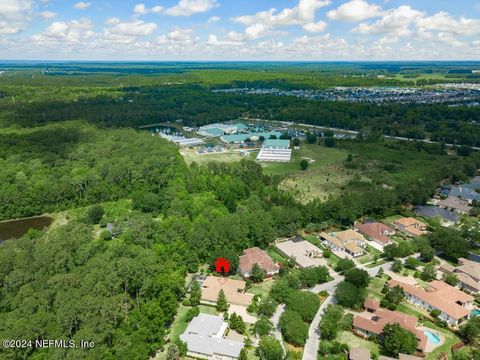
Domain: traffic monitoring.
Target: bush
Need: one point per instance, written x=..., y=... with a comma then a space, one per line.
x=435, y=313
x=106, y=235
x=304, y=303
x=191, y=313
x=294, y=330
x=95, y=214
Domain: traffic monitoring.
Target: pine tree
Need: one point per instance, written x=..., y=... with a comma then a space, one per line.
x=222, y=304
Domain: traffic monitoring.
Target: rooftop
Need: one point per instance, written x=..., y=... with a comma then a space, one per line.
x=349, y=235
x=274, y=143
x=233, y=290
x=257, y=256
x=455, y=203
x=303, y=251
x=204, y=335
x=434, y=211
x=440, y=295
x=376, y=322
x=376, y=231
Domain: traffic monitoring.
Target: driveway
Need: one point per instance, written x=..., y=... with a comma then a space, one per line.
x=275, y=319
x=310, y=349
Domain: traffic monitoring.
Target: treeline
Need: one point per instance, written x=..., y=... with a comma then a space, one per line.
x=197, y=105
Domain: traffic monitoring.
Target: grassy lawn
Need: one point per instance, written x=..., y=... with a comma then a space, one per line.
x=410, y=309
x=353, y=341
x=275, y=255
x=391, y=219
x=333, y=260
x=374, y=290
x=251, y=355
x=262, y=289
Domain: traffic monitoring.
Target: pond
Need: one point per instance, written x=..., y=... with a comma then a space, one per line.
x=13, y=229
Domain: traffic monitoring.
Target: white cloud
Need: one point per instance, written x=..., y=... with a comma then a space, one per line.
x=355, y=10
x=315, y=27
x=396, y=22
x=141, y=9
x=14, y=15
x=301, y=14
x=47, y=15
x=443, y=21
x=73, y=32
x=213, y=41
x=82, y=5
x=190, y=7
x=213, y=19
x=113, y=21
x=133, y=29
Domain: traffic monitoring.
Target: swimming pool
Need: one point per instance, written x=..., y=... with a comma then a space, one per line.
x=432, y=337
x=476, y=312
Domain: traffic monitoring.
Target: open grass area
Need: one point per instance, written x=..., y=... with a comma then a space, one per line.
x=370, y=256
x=262, y=289
x=354, y=341
x=318, y=155
x=224, y=157
x=374, y=290
x=275, y=255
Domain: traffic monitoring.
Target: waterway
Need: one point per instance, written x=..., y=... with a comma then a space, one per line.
x=14, y=229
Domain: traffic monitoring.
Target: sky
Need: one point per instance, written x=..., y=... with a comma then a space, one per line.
x=285, y=30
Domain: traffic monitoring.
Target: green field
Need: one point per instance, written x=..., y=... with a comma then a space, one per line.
x=325, y=176
x=225, y=157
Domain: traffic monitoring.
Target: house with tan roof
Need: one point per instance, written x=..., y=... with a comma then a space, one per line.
x=234, y=291
x=468, y=274
x=368, y=324
x=348, y=241
x=455, y=204
x=410, y=226
x=305, y=253
x=454, y=305
x=257, y=256
x=376, y=231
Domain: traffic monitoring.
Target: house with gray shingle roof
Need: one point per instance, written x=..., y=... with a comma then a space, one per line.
x=204, y=337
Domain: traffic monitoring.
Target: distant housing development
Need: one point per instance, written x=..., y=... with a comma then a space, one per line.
x=305, y=253
x=257, y=256
x=348, y=241
x=204, y=337
x=454, y=305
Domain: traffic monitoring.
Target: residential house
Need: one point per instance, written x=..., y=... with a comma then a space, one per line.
x=257, y=256
x=447, y=217
x=234, y=291
x=368, y=324
x=305, y=253
x=454, y=305
x=468, y=274
x=205, y=339
x=348, y=241
x=376, y=231
x=455, y=204
x=410, y=226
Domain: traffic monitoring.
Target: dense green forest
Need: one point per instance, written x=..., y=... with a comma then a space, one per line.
x=196, y=105
x=71, y=147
